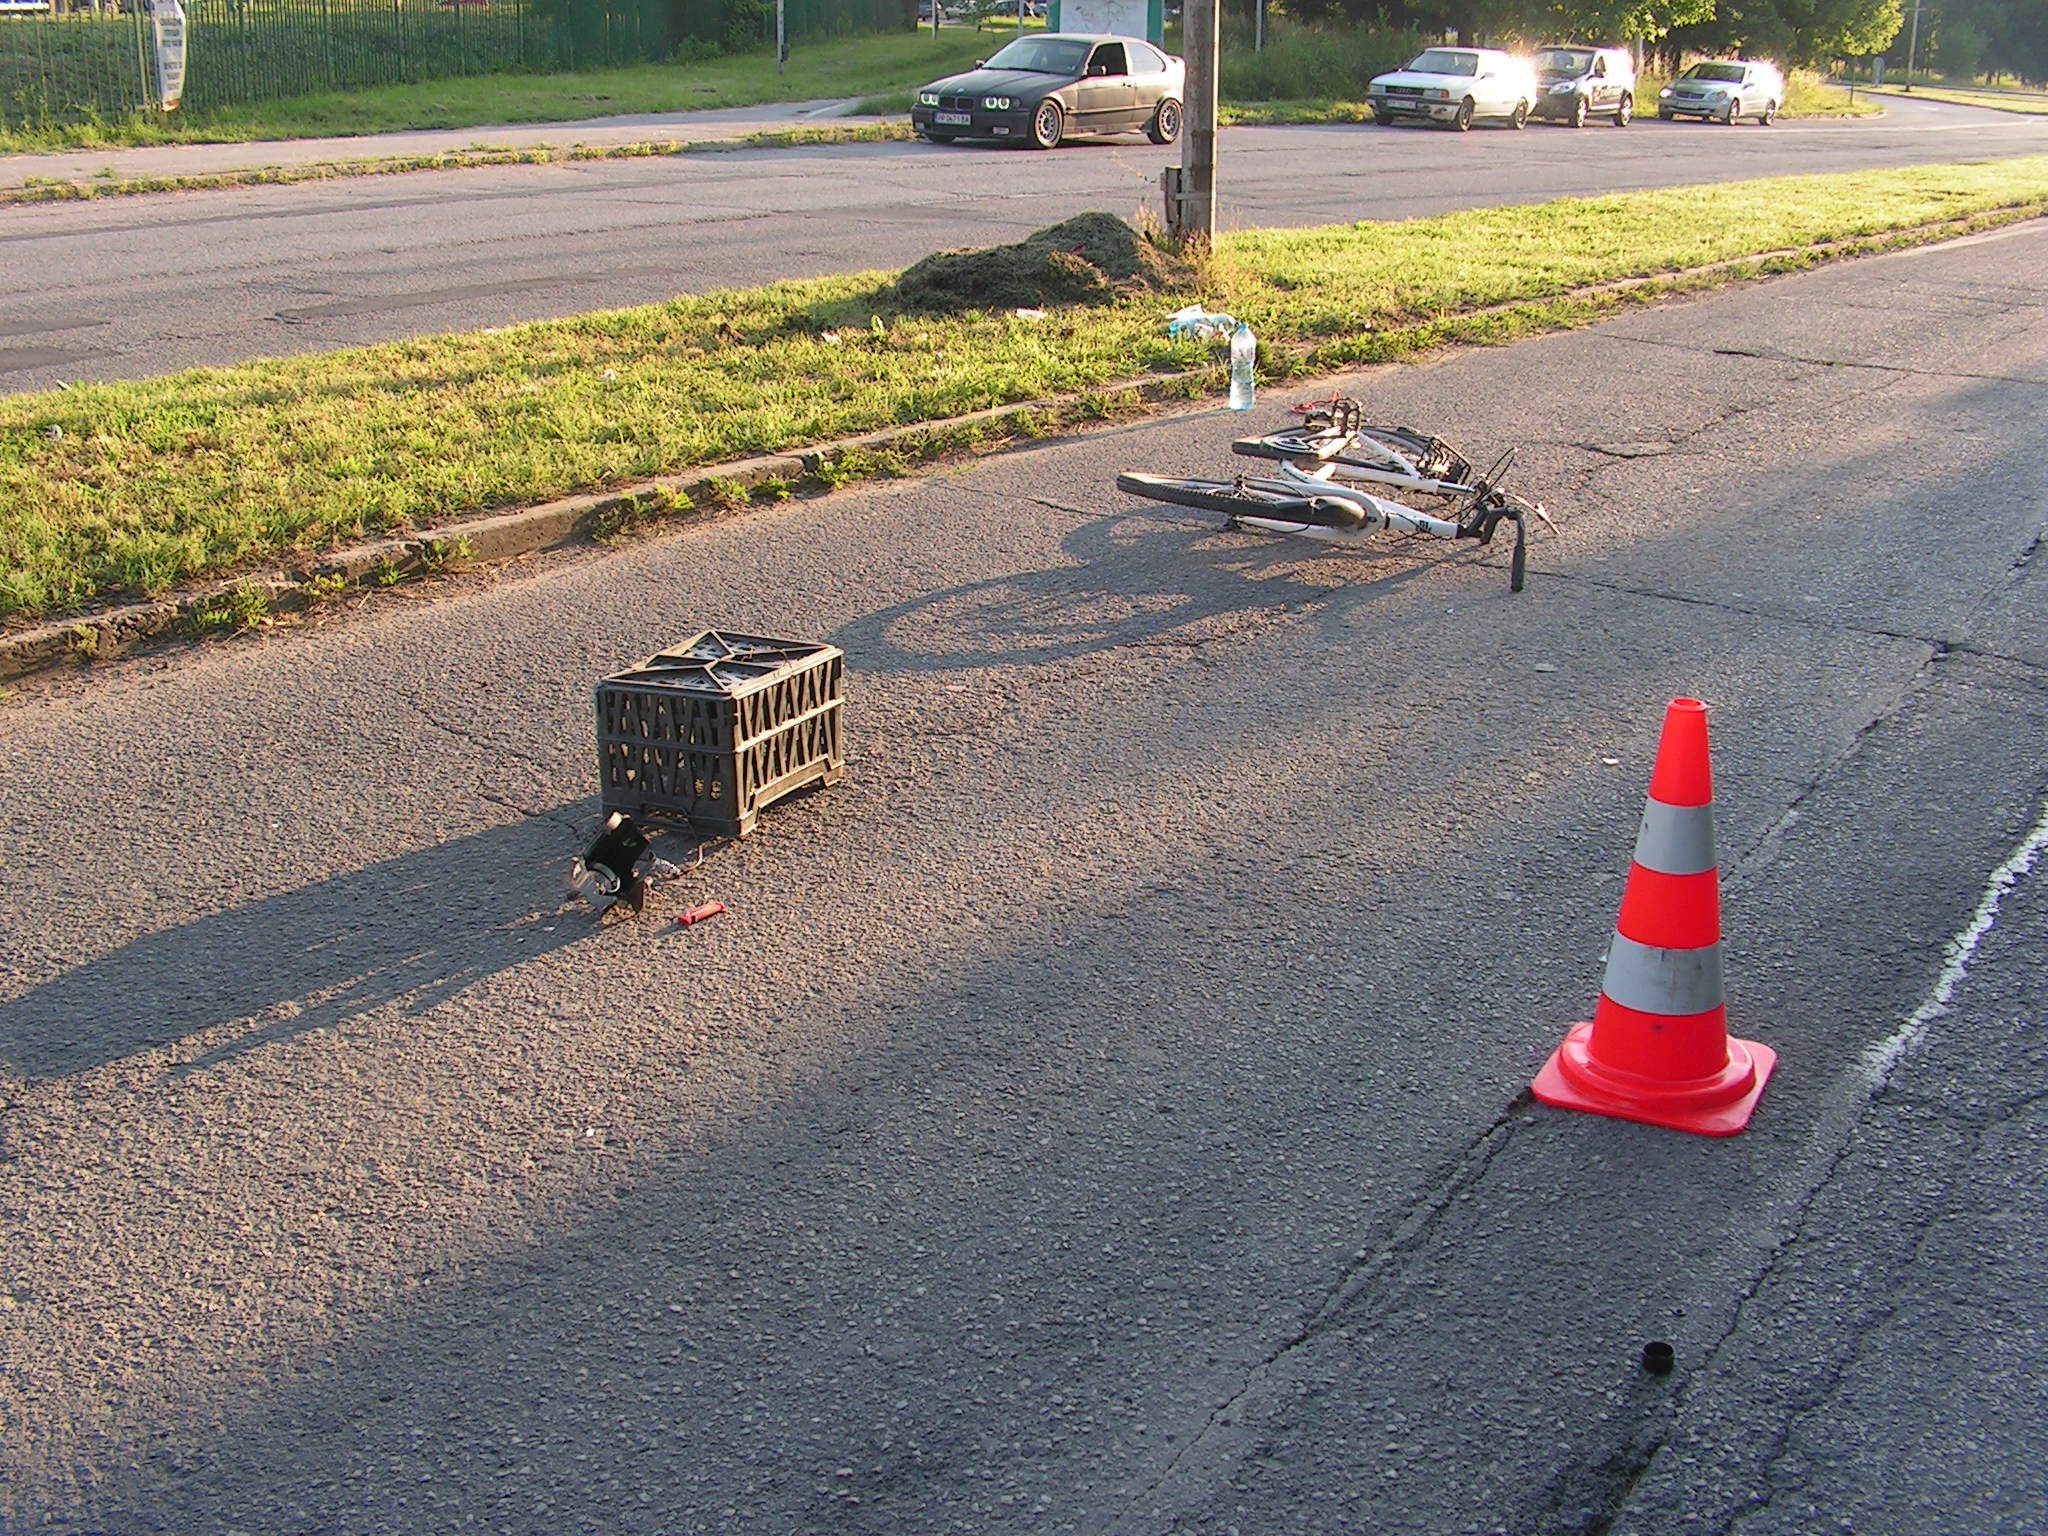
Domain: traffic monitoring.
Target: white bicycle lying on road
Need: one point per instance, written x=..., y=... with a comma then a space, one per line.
x=1308, y=496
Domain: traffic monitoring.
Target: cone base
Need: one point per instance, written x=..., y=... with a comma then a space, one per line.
x=1717, y=1106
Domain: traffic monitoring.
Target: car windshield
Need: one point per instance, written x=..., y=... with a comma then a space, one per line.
x=1564, y=61
x=1042, y=55
x=1730, y=72
x=1445, y=61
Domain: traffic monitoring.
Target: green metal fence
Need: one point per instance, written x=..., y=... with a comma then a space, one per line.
x=76, y=60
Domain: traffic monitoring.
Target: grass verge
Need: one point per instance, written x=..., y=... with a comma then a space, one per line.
x=855, y=66
x=54, y=190
x=108, y=491
x=2033, y=103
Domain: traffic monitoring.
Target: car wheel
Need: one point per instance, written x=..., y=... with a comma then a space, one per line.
x=1521, y=118
x=1664, y=116
x=1623, y=111
x=1165, y=125
x=1463, y=120
x=1734, y=112
x=1047, y=124
x=1578, y=117
x=1770, y=114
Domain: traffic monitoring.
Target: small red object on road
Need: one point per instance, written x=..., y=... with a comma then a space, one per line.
x=698, y=914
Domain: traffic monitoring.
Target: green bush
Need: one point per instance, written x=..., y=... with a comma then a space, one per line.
x=1302, y=63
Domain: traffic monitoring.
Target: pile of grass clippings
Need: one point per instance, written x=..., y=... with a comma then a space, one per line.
x=1092, y=258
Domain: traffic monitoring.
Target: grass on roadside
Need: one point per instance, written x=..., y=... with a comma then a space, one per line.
x=2030, y=102
x=1252, y=114
x=852, y=66
x=117, y=489
x=38, y=189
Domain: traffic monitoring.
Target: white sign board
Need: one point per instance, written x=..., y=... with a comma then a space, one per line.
x=167, y=20
x=1119, y=18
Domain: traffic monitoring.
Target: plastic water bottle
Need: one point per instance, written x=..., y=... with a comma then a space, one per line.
x=1244, y=352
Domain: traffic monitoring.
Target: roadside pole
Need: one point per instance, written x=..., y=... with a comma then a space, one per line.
x=781, y=41
x=1259, y=28
x=1198, y=146
x=1912, y=45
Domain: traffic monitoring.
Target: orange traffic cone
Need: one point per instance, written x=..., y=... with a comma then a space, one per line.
x=1657, y=1049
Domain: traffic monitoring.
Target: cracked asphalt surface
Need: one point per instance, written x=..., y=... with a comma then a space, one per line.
x=1105, y=1112
x=137, y=286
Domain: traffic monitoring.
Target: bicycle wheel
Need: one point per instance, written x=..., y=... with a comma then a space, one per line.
x=1240, y=499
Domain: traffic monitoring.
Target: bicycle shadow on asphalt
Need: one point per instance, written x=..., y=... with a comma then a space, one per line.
x=1137, y=576
x=414, y=931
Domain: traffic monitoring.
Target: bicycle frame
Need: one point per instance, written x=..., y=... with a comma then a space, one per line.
x=1351, y=455
x=1379, y=512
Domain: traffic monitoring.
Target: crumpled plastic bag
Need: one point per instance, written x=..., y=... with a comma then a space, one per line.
x=1199, y=324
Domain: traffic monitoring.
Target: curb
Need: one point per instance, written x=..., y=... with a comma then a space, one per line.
x=590, y=517
x=823, y=134
x=600, y=516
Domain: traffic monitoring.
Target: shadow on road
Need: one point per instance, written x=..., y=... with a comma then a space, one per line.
x=1153, y=574
x=417, y=929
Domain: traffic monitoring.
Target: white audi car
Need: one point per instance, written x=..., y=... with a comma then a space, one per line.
x=1456, y=87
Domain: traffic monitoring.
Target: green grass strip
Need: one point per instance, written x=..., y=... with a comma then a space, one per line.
x=131, y=488
x=53, y=190
x=841, y=67
x=2033, y=103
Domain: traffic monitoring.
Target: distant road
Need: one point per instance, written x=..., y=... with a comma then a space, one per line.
x=136, y=286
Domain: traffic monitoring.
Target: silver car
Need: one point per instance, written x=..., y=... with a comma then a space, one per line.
x=1725, y=91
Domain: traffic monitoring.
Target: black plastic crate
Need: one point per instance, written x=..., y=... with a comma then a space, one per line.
x=717, y=729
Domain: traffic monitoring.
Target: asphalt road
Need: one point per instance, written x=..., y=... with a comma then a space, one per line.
x=131, y=287
x=1105, y=1111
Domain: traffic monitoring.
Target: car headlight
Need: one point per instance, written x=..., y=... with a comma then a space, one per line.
x=1717, y=96
x=927, y=98
x=1441, y=95
x=996, y=103
x=1665, y=92
x=1564, y=87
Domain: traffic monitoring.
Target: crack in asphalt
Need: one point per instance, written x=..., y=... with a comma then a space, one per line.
x=1391, y=1239
x=483, y=792
x=1733, y=871
x=1401, y=1234
x=1842, y=1124
x=1881, y=1311
x=1771, y=355
x=1811, y=620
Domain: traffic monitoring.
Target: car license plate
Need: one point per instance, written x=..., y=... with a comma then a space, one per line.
x=954, y=119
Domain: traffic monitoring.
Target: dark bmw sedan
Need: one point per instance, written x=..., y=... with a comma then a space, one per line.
x=1040, y=90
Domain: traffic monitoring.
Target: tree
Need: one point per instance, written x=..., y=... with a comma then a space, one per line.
x=1796, y=31
x=1623, y=20
x=1958, y=48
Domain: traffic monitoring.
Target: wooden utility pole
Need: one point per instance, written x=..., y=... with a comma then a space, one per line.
x=781, y=41
x=1913, y=46
x=1198, y=132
